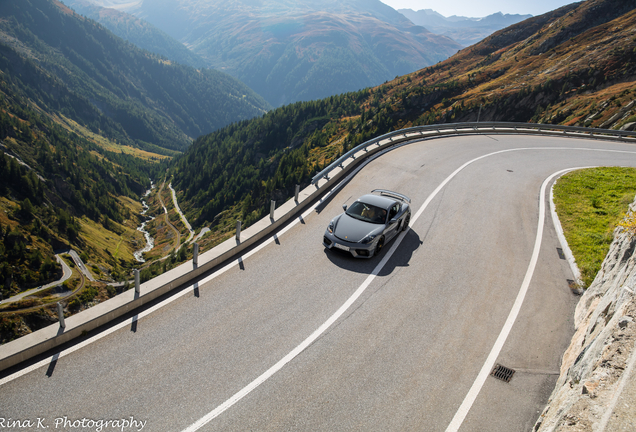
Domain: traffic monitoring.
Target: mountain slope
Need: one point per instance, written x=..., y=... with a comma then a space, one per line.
x=112, y=87
x=552, y=69
x=575, y=65
x=466, y=31
x=299, y=50
x=77, y=104
x=54, y=185
x=138, y=32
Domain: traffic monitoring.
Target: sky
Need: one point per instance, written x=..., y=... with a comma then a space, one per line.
x=480, y=8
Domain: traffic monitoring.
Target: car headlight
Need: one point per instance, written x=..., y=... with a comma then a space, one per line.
x=331, y=227
x=368, y=239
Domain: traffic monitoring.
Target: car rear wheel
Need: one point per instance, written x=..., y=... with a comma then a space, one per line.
x=405, y=224
x=379, y=246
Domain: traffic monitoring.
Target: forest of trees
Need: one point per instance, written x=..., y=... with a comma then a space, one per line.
x=71, y=94
x=247, y=161
x=55, y=177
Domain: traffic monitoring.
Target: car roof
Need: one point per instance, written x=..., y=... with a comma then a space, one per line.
x=377, y=200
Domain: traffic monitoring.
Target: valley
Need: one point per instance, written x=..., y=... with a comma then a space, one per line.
x=127, y=134
x=572, y=66
x=296, y=51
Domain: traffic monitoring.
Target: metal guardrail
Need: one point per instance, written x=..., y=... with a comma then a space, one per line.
x=430, y=131
x=75, y=326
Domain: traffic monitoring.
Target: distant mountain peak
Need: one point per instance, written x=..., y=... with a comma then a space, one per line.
x=465, y=30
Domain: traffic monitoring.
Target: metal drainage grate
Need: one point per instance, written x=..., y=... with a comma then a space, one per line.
x=502, y=373
x=561, y=254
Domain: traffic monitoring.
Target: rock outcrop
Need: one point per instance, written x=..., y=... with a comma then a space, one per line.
x=597, y=367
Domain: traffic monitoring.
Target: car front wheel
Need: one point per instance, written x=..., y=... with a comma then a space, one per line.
x=379, y=245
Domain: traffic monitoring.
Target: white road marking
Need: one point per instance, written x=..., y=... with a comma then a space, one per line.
x=461, y=413
x=565, y=247
x=300, y=348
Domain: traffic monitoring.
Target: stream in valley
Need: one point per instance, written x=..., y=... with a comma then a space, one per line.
x=150, y=242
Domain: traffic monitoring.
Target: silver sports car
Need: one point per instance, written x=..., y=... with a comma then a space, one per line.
x=369, y=223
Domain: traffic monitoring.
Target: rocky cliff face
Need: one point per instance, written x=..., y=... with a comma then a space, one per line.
x=594, y=391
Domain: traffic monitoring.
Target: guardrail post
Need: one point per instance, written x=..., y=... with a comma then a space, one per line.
x=272, y=207
x=60, y=315
x=195, y=254
x=137, y=286
x=238, y=230
x=296, y=193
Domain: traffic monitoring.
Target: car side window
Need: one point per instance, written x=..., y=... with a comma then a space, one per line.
x=394, y=211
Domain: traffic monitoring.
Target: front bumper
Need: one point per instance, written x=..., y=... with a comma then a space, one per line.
x=358, y=250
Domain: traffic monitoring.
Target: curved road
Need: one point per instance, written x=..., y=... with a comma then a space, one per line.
x=413, y=330
x=66, y=274
x=181, y=215
x=167, y=219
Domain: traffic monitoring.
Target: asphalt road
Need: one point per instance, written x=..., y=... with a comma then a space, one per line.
x=81, y=265
x=403, y=356
x=66, y=273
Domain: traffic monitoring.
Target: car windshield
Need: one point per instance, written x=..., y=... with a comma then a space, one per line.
x=367, y=212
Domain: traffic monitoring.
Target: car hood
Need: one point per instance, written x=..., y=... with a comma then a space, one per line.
x=353, y=230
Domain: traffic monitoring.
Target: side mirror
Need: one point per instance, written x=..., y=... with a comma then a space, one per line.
x=344, y=207
x=394, y=220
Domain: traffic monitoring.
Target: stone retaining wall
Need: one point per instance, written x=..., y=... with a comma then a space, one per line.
x=595, y=366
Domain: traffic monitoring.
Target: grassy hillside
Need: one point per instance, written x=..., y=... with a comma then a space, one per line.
x=54, y=185
x=591, y=203
x=573, y=66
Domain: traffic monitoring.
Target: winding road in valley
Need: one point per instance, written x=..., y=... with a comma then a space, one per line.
x=294, y=337
x=181, y=215
x=66, y=274
x=167, y=219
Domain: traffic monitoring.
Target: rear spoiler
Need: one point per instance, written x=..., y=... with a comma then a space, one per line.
x=392, y=194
